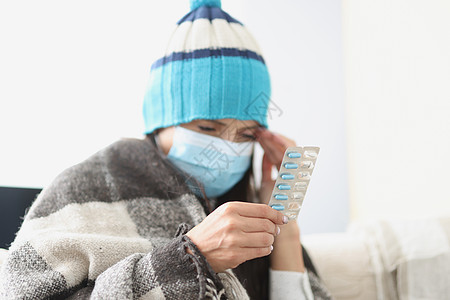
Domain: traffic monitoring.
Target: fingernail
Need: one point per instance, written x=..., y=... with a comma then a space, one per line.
x=271, y=248
x=285, y=219
x=278, y=230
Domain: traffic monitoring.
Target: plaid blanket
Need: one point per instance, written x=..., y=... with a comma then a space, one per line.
x=113, y=227
x=410, y=257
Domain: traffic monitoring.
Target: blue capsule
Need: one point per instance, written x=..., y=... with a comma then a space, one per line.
x=290, y=166
x=294, y=155
x=281, y=197
x=277, y=207
x=287, y=176
x=284, y=187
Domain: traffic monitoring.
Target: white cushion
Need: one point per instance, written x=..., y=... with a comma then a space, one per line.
x=343, y=263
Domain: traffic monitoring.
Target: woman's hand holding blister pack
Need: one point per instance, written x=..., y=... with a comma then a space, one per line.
x=239, y=231
x=236, y=232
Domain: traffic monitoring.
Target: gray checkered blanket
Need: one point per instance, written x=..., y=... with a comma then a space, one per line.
x=113, y=227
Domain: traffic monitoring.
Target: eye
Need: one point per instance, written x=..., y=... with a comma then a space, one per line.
x=205, y=128
x=249, y=137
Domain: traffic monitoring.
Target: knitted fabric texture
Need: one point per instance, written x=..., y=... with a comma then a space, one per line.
x=212, y=68
x=113, y=227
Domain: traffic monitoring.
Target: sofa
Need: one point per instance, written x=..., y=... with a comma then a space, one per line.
x=341, y=261
x=374, y=259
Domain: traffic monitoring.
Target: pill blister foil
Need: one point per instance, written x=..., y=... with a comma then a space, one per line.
x=293, y=180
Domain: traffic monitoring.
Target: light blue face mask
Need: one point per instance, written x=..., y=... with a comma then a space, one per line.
x=216, y=163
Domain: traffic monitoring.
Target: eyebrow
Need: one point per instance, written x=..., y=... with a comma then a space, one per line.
x=240, y=129
x=218, y=122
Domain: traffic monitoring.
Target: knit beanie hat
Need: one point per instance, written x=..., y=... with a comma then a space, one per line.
x=212, y=68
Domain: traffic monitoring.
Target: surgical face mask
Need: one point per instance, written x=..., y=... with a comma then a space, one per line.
x=216, y=163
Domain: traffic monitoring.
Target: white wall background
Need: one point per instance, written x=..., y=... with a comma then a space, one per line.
x=301, y=41
x=72, y=77
x=397, y=60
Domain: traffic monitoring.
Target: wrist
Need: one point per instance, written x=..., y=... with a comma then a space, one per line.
x=289, y=233
x=287, y=250
x=287, y=256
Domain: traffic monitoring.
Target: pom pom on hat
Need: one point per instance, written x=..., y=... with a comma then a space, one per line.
x=211, y=3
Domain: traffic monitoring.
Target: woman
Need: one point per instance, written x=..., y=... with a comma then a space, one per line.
x=222, y=235
x=172, y=216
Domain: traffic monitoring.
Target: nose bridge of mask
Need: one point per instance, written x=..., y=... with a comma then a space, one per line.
x=229, y=135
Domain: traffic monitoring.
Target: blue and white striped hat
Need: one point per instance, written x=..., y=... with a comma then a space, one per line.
x=212, y=68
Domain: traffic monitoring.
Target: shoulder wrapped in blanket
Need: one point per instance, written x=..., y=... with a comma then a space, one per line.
x=113, y=227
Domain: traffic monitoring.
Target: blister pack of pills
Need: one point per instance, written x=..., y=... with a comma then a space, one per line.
x=293, y=180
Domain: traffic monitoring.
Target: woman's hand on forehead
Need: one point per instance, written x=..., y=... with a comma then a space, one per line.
x=274, y=146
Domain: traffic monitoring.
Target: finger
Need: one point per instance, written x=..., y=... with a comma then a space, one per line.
x=256, y=210
x=282, y=140
x=251, y=225
x=271, y=141
x=251, y=253
x=268, y=136
x=273, y=149
x=278, y=138
x=257, y=240
x=274, y=155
